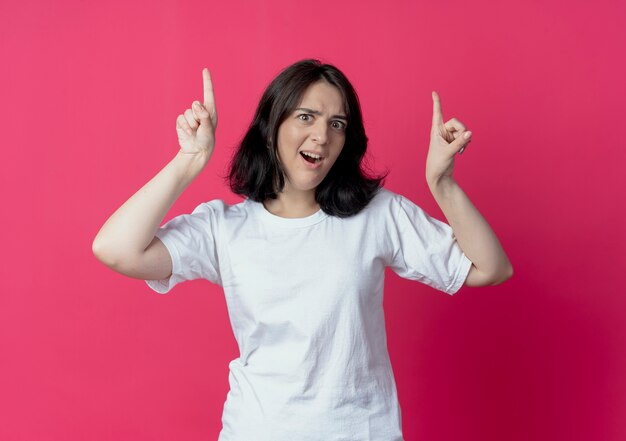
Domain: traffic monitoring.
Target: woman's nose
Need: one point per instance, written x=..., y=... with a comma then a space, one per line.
x=320, y=133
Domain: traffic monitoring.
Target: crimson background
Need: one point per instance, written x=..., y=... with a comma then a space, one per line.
x=90, y=93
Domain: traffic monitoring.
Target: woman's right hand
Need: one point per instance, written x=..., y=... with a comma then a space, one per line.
x=196, y=128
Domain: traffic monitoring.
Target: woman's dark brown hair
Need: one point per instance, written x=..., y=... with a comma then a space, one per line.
x=256, y=172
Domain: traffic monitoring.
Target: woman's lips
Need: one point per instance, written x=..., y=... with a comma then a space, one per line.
x=311, y=165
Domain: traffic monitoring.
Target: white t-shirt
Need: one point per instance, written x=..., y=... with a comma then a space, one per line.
x=305, y=301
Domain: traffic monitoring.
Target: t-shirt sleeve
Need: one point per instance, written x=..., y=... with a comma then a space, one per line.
x=191, y=242
x=425, y=249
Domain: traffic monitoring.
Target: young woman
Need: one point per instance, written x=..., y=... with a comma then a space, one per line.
x=302, y=259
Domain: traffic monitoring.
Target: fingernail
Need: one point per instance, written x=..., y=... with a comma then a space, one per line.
x=197, y=106
x=467, y=135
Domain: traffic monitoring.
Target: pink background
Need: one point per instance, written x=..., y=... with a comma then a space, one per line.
x=90, y=93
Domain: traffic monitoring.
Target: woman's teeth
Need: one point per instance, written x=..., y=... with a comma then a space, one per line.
x=311, y=157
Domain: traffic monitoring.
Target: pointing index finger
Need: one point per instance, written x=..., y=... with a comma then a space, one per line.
x=209, y=99
x=437, y=113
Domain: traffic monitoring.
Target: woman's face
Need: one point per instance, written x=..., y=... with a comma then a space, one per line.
x=318, y=127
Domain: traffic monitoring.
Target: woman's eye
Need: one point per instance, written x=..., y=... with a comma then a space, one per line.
x=339, y=125
x=305, y=115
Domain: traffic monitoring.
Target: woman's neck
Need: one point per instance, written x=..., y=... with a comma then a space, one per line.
x=291, y=205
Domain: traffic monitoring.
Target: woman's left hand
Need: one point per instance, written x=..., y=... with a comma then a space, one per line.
x=446, y=139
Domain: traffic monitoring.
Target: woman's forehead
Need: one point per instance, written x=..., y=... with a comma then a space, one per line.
x=323, y=96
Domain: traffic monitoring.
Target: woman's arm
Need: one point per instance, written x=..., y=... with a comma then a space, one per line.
x=490, y=266
x=121, y=242
x=126, y=242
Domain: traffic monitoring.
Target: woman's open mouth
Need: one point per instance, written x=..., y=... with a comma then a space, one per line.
x=311, y=160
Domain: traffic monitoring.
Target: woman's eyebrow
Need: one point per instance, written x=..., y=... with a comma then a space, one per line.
x=317, y=112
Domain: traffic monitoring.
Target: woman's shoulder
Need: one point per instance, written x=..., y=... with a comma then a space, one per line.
x=221, y=208
x=384, y=198
x=381, y=204
x=390, y=203
x=385, y=194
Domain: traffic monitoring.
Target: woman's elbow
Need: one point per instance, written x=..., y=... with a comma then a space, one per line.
x=504, y=276
x=102, y=253
x=109, y=254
